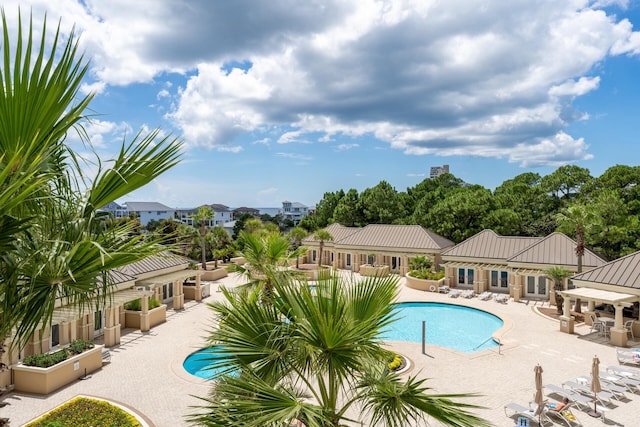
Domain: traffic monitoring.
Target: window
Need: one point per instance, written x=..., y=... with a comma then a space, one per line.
x=55, y=335
x=313, y=255
x=348, y=260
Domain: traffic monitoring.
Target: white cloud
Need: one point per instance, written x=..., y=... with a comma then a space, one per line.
x=344, y=147
x=295, y=156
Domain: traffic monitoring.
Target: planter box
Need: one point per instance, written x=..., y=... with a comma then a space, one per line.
x=311, y=271
x=216, y=274
x=370, y=270
x=424, y=284
x=30, y=379
x=239, y=260
x=156, y=316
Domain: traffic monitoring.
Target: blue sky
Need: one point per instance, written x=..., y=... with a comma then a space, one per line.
x=287, y=100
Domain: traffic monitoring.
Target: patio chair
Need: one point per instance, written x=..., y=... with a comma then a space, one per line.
x=628, y=356
x=502, y=298
x=485, y=295
x=596, y=324
x=628, y=325
x=468, y=293
x=522, y=411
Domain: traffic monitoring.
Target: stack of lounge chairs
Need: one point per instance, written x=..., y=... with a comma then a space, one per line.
x=485, y=295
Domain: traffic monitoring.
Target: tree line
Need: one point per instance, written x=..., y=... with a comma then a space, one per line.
x=605, y=208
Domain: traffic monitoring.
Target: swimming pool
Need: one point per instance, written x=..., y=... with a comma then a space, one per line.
x=198, y=363
x=453, y=326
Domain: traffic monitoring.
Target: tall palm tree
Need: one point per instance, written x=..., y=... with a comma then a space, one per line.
x=203, y=215
x=575, y=219
x=316, y=356
x=558, y=274
x=56, y=244
x=297, y=234
x=323, y=236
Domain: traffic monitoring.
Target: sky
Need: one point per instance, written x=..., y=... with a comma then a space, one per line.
x=286, y=100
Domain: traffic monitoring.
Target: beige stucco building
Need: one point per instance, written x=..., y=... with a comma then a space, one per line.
x=513, y=265
x=376, y=244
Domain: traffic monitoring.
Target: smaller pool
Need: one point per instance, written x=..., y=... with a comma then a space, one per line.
x=457, y=327
x=198, y=363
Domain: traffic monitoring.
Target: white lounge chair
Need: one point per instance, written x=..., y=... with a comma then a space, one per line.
x=625, y=371
x=485, y=295
x=604, y=397
x=455, y=293
x=522, y=411
x=444, y=289
x=631, y=384
x=616, y=390
x=579, y=399
x=468, y=293
x=628, y=356
x=502, y=298
x=565, y=415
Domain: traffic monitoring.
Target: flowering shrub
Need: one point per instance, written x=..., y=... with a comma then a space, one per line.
x=85, y=412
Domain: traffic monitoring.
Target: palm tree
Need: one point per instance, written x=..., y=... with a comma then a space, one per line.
x=266, y=255
x=297, y=234
x=558, y=274
x=322, y=236
x=56, y=246
x=203, y=215
x=575, y=219
x=317, y=357
x=218, y=240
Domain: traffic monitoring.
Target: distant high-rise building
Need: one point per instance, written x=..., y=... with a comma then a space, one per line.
x=436, y=171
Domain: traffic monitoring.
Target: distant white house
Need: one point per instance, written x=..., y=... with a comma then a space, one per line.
x=294, y=211
x=147, y=211
x=116, y=210
x=222, y=215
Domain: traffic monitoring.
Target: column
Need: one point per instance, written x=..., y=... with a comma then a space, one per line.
x=198, y=289
x=178, y=295
x=112, y=326
x=65, y=332
x=566, y=320
x=618, y=334
x=145, y=323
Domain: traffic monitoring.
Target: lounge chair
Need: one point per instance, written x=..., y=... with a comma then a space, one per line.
x=455, y=293
x=604, y=397
x=628, y=356
x=485, y=295
x=616, y=390
x=444, y=289
x=468, y=293
x=577, y=398
x=565, y=415
x=522, y=411
x=631, y=384
x=502, y=298
x=625, y=371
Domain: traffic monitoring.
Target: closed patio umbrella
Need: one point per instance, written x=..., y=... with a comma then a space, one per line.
x=538, y=396
x=595, y=385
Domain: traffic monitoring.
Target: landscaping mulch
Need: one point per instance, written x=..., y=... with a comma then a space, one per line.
x=553, y=312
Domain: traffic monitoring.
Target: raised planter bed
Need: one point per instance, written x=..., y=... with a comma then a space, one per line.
x=374, y=270
x=424, y=284
x=216, y=274
x=311, y=271
x=31, y=379
x=156, y=316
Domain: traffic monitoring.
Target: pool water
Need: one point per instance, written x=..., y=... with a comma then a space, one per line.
x=456, y=327
x=198, y=363
x=453, y=326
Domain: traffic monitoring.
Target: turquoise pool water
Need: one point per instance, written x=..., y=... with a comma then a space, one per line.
x=198, y=362
x=453, y=326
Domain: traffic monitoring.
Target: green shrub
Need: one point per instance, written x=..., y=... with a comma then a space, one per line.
x=78, y=346
x=136, y=305
x=46, y=360
x=420, y=263
x=426, y=274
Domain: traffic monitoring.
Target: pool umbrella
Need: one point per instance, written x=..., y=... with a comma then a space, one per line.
x=595, y=385
x=538, y=396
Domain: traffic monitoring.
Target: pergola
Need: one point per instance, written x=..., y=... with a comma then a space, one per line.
x=619, y=300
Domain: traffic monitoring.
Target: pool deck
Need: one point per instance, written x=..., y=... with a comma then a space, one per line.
x=146, y=371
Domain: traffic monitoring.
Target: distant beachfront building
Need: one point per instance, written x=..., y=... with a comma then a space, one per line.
x=147, y=211
x=293, y=211
x=237, y=212
x=222, y=215
x=436, y=171
x=116, y=210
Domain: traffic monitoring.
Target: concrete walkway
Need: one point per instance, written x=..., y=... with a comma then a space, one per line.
x=146, y=371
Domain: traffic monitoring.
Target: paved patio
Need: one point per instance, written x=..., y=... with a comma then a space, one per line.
x=146, y=372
